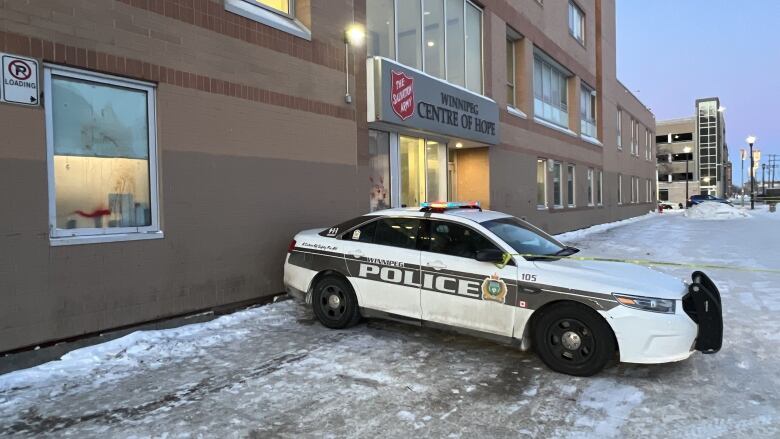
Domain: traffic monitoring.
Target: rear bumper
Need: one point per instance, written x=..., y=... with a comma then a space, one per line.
x=297, y=280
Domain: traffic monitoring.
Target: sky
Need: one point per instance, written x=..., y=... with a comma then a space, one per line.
x=671, y=52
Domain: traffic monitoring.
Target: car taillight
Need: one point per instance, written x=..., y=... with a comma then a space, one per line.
x=291, y=247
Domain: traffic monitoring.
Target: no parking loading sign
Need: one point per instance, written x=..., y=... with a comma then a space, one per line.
x=20, y=80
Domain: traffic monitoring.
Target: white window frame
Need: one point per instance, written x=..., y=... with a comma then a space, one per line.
x=290, y=7
x=106, y=234
x=466, y=4
x=255, y=11
x=541, y=106
x=600, y=182
x=620, y=129
x=620, y=188
x=591, y=187
x=591, y=102
x=574, y=7
x=647, y=191
x=510, y=80
x=571, y=171
x=633, y=136
x=559, y=165
x=544, y=177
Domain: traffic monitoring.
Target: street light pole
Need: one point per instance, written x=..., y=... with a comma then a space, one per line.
x=763, y=178
x=742, y=174
x=751, y=140
x=686, y=150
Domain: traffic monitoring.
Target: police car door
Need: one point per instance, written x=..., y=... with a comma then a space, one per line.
x=384, y=265
x=457, y=289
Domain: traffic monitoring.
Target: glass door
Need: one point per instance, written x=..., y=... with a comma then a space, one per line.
x=412, y=167
x=422, y=170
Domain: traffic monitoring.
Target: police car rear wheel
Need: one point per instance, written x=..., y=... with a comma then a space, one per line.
x=334, y=303
x=573, y=339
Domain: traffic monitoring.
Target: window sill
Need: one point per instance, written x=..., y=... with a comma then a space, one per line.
x=268, y=18
x=514, y=111
x=554, y=126
x=592, y=140
x=541, y=207
x=96, y=239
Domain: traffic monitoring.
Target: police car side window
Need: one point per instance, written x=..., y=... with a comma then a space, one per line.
x=456, y=240
x=397, y=232
x=364, y=233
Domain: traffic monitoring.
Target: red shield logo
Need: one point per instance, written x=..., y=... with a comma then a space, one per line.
x=402, y=94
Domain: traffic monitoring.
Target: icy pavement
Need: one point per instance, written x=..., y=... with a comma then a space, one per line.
x=274, y=372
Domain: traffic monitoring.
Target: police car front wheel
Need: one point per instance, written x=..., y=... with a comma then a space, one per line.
x=571, y=338
x=334, y=303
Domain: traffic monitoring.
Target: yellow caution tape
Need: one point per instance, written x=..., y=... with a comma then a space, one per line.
x=643, y=262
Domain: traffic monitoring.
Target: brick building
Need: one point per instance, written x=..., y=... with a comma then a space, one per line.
x=177, y=145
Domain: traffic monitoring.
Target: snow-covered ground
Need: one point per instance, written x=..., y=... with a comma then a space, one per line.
x=273, y=371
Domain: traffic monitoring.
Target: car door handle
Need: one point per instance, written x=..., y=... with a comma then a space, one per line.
x=436, y=265
x=357, y=253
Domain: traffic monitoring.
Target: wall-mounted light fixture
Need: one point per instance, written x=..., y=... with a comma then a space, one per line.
x=354, y=35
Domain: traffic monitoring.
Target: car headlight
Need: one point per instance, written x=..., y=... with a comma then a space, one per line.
x=653, y=304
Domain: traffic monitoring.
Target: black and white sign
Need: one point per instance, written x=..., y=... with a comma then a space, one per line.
x=404, y=96
x=20, y=80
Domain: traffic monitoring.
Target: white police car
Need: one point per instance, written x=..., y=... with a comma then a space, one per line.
x=491, y=274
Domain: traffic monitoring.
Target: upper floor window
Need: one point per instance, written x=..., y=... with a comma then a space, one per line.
x=279, y=14
x=283, y=6
x=682, y=137
x=550, y=92
x=648, y=145
x=510, y=72
x=576, y=22
x=588, y=111
x=440, y=37
x=102, y=153
x=620, y=128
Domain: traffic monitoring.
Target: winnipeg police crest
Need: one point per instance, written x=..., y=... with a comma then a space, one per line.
x=493, y=288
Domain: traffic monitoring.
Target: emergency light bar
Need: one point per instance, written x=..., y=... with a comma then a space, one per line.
x=441, y=206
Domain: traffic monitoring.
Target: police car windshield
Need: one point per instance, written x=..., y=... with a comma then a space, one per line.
x=524, y=238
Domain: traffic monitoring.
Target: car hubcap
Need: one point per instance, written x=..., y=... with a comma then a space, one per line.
x=332, y=302
x=571, y=340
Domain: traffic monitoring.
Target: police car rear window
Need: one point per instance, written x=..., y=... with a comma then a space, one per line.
x=346, y=225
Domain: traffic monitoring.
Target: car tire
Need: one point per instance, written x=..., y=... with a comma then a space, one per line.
x=573, y=339
x=334, y=303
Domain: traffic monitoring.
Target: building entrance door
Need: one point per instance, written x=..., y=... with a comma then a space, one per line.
x=422, y=169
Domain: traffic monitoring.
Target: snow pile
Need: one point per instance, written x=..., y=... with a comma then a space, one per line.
x=715, y=211
x=581, y=233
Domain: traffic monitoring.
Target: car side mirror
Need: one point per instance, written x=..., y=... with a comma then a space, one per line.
x=490, y=255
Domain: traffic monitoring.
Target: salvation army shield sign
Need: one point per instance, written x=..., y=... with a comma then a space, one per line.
x=402, y=94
